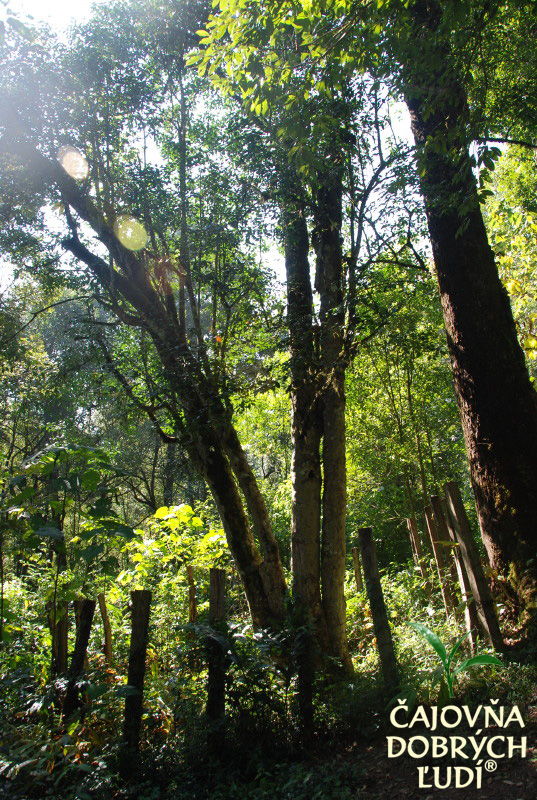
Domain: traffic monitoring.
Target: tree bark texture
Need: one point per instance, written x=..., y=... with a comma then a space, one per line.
x=444, y=539
x=192, y=601
x=497, y=402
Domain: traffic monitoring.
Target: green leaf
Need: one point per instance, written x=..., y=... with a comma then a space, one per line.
x=95, y=690
x=477, y=661
x=125, y=531
x=91, y=552
x=432, y=638
x=162, y=512
x=126, y=691
x=90, y=479
x=456, y=647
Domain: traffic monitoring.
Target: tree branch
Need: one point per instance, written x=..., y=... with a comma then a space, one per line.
x=35, y=314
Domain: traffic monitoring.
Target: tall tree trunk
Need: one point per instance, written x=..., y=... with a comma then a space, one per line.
x=305, y=464
x=305, y=426
x=329, y=283
x=497, y=402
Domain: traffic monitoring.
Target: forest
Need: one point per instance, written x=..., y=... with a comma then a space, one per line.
x=268, y=414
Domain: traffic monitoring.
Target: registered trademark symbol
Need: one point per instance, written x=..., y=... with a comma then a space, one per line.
x=490, y=766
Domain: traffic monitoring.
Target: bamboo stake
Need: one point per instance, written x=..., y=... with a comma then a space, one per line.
x=471, y=620
x=476, y=577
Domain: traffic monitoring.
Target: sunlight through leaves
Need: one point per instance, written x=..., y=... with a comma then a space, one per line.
x=73, y=162
x=130, y=232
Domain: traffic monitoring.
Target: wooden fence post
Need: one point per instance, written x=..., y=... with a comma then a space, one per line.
x=447, y=593
x=106, y=627
x=216, y=660
x=132, y=721
x=476, y=577
x=378, y=610
x=357, y=570
x=86, y=610
x=471, y=620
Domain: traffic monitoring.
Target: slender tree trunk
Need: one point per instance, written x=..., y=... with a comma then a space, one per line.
x=471, y=619
x=329, y=283
x=217, y=470
x=58, y=614
x=86, y=612
x=497, y=402
x=132, y=722
x=305, y=427
x=417, y=552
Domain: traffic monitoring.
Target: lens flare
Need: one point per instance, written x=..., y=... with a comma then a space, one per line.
x=73, y=162
x=130, y=232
